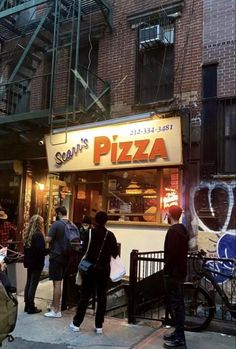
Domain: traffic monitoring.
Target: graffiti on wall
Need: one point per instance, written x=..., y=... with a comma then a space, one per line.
x=213, y=211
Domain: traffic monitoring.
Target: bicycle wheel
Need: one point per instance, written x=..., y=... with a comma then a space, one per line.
x=199, y=308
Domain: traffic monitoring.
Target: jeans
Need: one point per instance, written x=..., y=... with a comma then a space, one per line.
x=92, y=284
x=33, y=277
x=175, y=303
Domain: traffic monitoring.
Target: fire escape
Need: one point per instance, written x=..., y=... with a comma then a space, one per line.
x=43, y=86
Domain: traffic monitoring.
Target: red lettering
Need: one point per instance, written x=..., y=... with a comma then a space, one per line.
x=114, y=150
x=126, y=152
x=141, y=145
x=124, y=157
x=158, y=150
x=101, y=147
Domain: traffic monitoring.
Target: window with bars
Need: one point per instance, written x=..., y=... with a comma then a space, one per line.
x=227, y=132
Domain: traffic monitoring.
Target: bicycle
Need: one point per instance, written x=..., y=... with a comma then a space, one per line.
x=199, y=305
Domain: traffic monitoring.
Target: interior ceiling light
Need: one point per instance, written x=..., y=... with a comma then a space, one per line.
x=150, y=193
x=133, y=188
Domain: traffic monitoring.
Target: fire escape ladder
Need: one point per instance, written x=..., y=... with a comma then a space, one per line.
x=59, y=115
x=3, y=4
x=53, y=30
x=11, y=7
x=85, y=91
x=25, y=63
x=106, y=11
x=29, y=45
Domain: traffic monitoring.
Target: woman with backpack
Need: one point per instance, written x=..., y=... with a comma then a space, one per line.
x=34, y=253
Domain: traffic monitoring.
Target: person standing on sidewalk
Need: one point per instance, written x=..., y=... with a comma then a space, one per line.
x=102, y=246
x=175, y=270
x=57, y=260
x=85, y=226
x=7, y=230
x=34, y=253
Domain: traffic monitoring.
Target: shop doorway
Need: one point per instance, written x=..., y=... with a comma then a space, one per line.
x=60, y=194
x=88, y=200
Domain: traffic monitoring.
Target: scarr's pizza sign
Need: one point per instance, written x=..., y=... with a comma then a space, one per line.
x=140, y=144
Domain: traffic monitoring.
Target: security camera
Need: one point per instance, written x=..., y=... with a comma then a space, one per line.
x=41, y=142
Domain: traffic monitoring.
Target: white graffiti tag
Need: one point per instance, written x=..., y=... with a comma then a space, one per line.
x=213, y=210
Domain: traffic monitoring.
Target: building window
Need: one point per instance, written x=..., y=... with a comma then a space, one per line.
x=88, y=86
x=155, y=63
x=227, y=131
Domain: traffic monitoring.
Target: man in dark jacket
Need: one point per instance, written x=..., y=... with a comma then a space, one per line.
x=102, y=246
x=175, y=257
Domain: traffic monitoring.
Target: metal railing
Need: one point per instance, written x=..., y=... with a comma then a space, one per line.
x=33, y=94
x=25, y=95
x=146, y=290
x=7, y=4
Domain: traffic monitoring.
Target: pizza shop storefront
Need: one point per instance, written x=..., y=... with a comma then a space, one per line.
x=129, y=168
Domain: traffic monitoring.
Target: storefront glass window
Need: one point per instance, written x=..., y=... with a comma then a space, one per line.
x=132, y=195
x=170, y=189
x=141, y=195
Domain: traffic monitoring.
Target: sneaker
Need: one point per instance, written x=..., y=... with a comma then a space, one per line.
x=177, y=343
x=73, y=327
x=53, y=314
x=98, y=330
x=169, y=337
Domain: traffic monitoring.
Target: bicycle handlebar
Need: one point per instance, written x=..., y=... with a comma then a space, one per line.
x=202, y=268
x=200, y=254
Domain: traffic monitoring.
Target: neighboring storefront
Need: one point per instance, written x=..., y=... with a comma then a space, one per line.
x=128, y=167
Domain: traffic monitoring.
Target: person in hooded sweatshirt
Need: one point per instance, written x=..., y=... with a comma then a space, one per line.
x=175, y=270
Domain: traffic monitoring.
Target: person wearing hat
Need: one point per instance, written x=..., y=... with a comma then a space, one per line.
x=175, y=271
x=7, y=230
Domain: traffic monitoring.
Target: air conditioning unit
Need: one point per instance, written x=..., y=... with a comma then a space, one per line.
x=168, y=35
x=150, y=36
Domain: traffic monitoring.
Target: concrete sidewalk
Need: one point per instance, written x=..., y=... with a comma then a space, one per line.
x=37, y=332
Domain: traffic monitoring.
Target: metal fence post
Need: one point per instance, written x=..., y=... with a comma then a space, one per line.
x=132, y=284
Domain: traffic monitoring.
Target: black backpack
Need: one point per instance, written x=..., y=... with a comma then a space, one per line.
x=8, y=313
x=71, y=237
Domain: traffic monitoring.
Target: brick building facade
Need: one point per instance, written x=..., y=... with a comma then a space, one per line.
x=160, y=74
x=169, y=58
x=219, y=87
x=219, y=43
x=118, y=52
x=214, y=199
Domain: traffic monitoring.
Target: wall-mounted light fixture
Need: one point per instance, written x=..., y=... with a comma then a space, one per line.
x=156, y=116
x=175, y=15
x=41, y=142
x=40, y=186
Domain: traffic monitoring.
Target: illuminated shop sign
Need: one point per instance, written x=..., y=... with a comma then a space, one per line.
x=140, y=144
